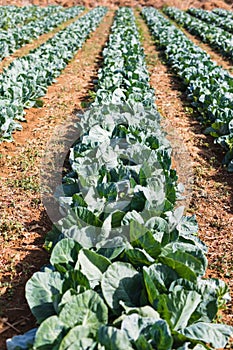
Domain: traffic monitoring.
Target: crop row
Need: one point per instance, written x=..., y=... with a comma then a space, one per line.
x=15, y=38
x=27, y=78
x=126, y=268
x=218, y=38
x=208, y=85
x=223, y=13
x=212, y=18
x=12, y=16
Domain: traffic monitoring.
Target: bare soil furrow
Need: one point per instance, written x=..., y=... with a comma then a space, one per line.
x=25, y=50
x=24, y=221
x=211, y=198
x=215, y=55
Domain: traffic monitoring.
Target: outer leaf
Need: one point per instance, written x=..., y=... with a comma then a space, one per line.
x=215, y=334
x=137, y=230
x=83, y=215
x=113, y=339
x=76, y=280
x=144, y=311
x=141, y=237
x=161, y=275
x=86, y=309
x=151, y=289
x=133, y=325
x=93, y=266
x=138, y=257
x=112, y=248
x=49, y=333
x=142, y=344
x=188, y=225
x=79, y=337
x=177, y=308
x=41, y=291
x=188, y=260
x=65, y=252
x=208, y=307
x=121, y=282
x=161, y=335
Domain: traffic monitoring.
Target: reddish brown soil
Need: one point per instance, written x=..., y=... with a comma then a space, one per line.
x=33, y=45
x=212, y=188
x=24, y=222
x=214, y=54
x=184, y=4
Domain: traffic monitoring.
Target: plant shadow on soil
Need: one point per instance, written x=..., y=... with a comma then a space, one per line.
x=12, y=303
x=211, y=153
x=15, y=315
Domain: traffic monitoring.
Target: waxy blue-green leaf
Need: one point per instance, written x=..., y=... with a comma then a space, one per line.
x=75, y=279
x=113, y=339
x=92, y=265
x=151, y=289
x=78, y=338
x=141, y=237
x=65, y=253
x=138, y=257
x=161, y=335
x=134, y=325
x=177, y=308
x=157, y=279
x=207, y=288
x=86, y=309
x=144, y=311
x=49, y=333
x=215, y=334
x=186, y=259
x=121, y=282
x=142, y=344
x=112, y=248
x=41, y=292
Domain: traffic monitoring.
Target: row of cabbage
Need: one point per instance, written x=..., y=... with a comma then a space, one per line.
x=223, y=13
x=27, y=78
x=212, y=18
x=126, y=268
x=12, y=16
x=208, y=85
x=16, y=37
x=218, y=38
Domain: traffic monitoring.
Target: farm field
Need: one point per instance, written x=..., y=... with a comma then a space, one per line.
x=123, y=252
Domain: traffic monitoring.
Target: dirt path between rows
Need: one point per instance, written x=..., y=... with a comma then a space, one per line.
x=23, y=51
x=215, y=55
x=211, y=199
x=24, y=221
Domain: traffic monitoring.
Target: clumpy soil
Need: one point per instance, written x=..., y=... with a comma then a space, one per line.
x=183, y=4
x=210, y=186
x=24, y=221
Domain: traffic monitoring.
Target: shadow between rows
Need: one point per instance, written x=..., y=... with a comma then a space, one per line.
x=15, y=315
x=211, y=152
